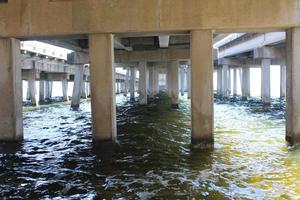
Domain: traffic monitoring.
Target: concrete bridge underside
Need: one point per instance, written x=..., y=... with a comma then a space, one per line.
x=163, y=33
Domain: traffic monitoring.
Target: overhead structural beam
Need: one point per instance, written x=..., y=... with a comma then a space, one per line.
x=118, y=45
x=164, y=41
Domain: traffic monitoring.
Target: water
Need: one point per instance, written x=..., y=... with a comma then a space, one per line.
x=153, y=158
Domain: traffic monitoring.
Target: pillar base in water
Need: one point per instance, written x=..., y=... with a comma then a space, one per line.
x=75, y=107
x=244, y=98
x=293, y=140
x=175, y=106
x=202, y=143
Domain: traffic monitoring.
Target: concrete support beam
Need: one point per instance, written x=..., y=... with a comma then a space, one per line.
x=202, y=88
x=84, y=91
x=32, y=87
x=102, y=87
x=182, y=81
x=42, y=91
x=164, y=41
x=151, y=82
x=132, y=83
x=143, y=83
x=282, y=81
x=64, y=85
x=293, y=86
x=11, y=120
x=189, y=92
x=77, y=88
x=169, y=81
x=225, y=81
x=245, y=82
x=235, y=81
x=48, y=89
x=265, y=81
x=174, y=83
x=127, y=82
x=219, y=81
x=155, y=81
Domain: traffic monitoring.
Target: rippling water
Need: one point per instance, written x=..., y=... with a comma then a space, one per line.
x=153, y=158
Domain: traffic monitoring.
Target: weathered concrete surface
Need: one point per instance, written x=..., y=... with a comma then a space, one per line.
x=293, y=86
x=64, y=85
x=11, y=121
x=202, y=88
x=266, y=81
x=66, y=17
x=132, y=82
x=245, y=82
x=77, y=88
x=103, y=87
x=143, y=83
x=174, y=83
x=282, y=81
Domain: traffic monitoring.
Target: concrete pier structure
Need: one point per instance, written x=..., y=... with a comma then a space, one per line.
x=182, y=81
x=282, y=81
x=32, y=87
x=245, y=83
x=103, y=86
x=189, y=79
x=42, y=92
x=64, y=85
x=174, y=83
x=219, y=81
x=143, y=83
x=77, y=88
x=202, y=88
x=11, y=121
x=132, y=82
x=265, y=81
x=293, y=86
x=48, y=89
x=235, y=74
x=225, y=81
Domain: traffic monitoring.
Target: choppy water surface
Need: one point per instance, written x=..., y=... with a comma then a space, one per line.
x=153, y=157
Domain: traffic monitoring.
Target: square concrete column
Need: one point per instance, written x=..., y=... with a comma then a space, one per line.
x=102, y=76
x=155, y=81
x=11, y=120
x=265, y=81
x=42, y=91
x=77, y=88
x=182, y=81
x=225, y=80
x=84, y=92
x=174, y=83
x=189, y=82
x=151, y=81
x=169, y=81
x=48, y=89
x=282, y=81
x=234, y=81
x=32, y=86
x=219, y=81
x=132, y=83
x=245, y=82
x=143, y=83
x=64, y=85
x=126, y=82
x=202, y=88
x=293, y=86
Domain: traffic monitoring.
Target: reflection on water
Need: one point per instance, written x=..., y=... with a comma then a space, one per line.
x=153, y=157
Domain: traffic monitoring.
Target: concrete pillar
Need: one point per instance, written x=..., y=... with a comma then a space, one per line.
x=189, y=82
x=182, y=81
x=202, y=88
x=234, y=81
x=132, y=83
x=32, y=86
x=174, y=83
x=265, y=81
x=126, y=82
x=77, y=88
x=42, y=91
x=64, y=85
x=103, y=99
x=11, y=120
x=282, y=81
x=48, y=89
x=293, y=86
x=84, y=92
x=225, y=81
x=143, y=83
x=219, y=81
x=245, y=82
x=169, y=81
x=155, y=86
x=28, y=97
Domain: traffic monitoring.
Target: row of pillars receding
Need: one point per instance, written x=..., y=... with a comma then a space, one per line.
x=102, y=72
x=81, y=89
x=225, y=84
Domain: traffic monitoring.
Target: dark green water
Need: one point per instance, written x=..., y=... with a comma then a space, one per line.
x=153, y=158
